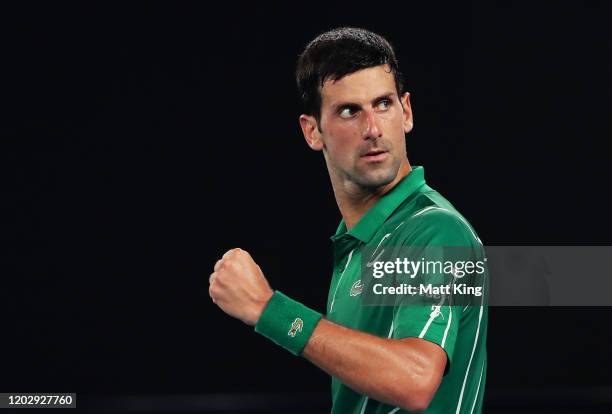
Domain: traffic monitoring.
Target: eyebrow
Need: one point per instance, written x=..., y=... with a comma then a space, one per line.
x=347, y=104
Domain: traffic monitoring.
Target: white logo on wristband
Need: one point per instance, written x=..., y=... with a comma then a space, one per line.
x=296, y=327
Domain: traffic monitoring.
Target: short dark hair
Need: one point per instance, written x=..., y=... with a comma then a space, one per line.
x=337, y=53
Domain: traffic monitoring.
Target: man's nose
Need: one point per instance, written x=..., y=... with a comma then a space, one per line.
x=372, y=128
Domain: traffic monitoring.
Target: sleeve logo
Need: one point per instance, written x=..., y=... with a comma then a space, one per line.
x=357, y=288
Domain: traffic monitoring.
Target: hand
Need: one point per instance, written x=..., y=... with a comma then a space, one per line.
x=239, y=287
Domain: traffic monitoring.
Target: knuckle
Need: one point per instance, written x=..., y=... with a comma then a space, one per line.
x=231, y=265
x=240, y=253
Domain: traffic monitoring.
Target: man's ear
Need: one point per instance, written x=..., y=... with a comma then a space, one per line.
x=408, y=122
x=311, y=132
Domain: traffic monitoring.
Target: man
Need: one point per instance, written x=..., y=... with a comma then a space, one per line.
x=382, y=359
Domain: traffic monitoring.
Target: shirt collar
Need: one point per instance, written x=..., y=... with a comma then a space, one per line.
x=373, y=219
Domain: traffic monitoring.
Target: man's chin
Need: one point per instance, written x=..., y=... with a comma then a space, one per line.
x=373, y=180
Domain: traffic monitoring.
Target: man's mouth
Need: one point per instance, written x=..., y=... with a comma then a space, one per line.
x=375, y=155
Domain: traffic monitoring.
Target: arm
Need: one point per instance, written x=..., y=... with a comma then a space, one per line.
x=402, y=372
x=405, y=372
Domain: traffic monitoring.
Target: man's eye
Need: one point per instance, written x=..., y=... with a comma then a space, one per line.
x=346, y=112
x=384, y=104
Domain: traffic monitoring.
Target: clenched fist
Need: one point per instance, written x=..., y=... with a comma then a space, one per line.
x=239, y=287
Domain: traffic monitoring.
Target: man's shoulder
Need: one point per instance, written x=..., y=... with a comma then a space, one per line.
x=427, y=206
x=430, y=217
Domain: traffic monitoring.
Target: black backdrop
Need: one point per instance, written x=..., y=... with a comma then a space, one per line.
x=142, y=140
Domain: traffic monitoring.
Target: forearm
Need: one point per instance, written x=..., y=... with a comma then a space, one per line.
x=397, y=372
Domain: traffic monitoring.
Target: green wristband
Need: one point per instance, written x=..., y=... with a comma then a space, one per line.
x=287, y=323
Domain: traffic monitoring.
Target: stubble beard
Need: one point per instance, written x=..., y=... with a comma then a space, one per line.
x=372, y=177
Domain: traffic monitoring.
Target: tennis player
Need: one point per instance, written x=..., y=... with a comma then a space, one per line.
x=382, y=359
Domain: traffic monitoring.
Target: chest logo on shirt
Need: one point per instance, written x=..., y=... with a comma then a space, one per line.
x=296, y=327
x=357, y=288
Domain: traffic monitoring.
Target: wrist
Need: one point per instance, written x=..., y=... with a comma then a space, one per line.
x=260, y=308
x=287, y=322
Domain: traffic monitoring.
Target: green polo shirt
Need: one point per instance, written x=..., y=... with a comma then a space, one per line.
x=411, y=214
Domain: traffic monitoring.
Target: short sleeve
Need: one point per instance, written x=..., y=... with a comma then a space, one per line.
x=436, y=319
x=437, y=324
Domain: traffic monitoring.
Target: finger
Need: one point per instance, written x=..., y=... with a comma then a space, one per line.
x=231, y=252
x=227, y=254
x=218, y=264
x=211, y=294
x=212, y=277
x=213, y=299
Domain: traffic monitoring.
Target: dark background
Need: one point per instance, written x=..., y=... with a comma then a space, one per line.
x=141, y=140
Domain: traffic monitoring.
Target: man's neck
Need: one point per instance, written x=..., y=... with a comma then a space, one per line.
x=354, y=204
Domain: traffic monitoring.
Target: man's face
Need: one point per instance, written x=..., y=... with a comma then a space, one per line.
x=362, y=128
